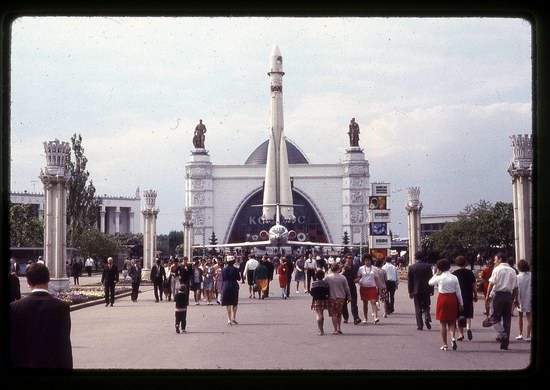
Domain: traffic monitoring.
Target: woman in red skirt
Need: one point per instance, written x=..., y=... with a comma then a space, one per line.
x=449, y=301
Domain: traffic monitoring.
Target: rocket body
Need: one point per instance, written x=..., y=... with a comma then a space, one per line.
x=277, y=187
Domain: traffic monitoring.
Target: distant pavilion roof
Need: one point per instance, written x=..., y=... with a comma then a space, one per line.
x=259, y=156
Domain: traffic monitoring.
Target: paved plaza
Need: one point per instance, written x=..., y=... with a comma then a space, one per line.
x=275, y=334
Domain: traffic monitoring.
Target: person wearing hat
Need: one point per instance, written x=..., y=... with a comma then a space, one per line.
x=230, y=289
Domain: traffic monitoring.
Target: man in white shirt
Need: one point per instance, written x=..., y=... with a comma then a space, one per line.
x=310, y=267
x=504, y=289
x=392, y=282
x=249, y=268
x=88, y=266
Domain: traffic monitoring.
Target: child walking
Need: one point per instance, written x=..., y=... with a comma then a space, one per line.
x=319, y=298
x=182, y=301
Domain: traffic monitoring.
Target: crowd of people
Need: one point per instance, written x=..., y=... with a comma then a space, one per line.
x=331, y=283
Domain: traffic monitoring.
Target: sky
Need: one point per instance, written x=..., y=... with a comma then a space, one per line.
x=436, y=99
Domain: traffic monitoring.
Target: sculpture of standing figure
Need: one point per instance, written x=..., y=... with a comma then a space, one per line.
x=353, y=133
x=198, y=138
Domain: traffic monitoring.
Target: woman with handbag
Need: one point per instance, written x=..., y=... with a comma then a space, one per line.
x=467, y=282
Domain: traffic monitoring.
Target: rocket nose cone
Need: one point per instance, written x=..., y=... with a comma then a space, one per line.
x=275, y=52
x=276, y=60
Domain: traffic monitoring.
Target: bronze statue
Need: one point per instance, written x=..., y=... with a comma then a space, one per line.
x=198, y=138
x=353, y=133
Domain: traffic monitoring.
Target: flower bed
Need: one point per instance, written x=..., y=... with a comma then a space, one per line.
x=83, y=294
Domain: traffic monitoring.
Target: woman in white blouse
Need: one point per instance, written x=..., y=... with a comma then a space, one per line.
x=449, y=301
x=524, y=299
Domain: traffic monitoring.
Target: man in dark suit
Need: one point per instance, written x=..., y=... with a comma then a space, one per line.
x=420, y=291
x=135, y=275
x=108, y=280
x=158, y=276
x=40, y=326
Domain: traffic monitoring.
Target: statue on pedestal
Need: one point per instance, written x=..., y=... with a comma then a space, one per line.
x=198, y=138
x=353, y=133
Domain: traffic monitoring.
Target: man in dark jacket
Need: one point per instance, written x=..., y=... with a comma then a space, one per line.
x=135, y=275
x=108, y=279
x=270, y=272
x=158, y=276
x=40, y=326
x=420, y=291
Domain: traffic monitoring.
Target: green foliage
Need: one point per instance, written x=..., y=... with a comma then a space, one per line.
x=26, y=230
x=481, y=228
x=98, y=245
x=175, y=238
x=132, y=242
x=82, y=206
x=162, y=244
x=213, y=241
x=345, y=241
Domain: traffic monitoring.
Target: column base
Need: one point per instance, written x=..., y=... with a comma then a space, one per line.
x=145, y=274
x=58, y=285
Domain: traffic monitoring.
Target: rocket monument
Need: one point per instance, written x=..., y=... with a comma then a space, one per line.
x=277, y=187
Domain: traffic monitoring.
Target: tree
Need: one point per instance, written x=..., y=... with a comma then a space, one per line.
x=82, y=206
x=162, y=244
x=480, y=229
x=213, y=241
x=345, y=241
x=175, y=238
x=26, y=230
x=98, y=245
x=131, y=241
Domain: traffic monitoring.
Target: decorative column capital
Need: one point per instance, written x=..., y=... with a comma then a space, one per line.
x=413, y=203
x=56, y=161
x=522, y=148
x=150, y=198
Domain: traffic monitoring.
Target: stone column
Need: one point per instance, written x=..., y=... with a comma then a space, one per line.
x=188, y=234
x=55, y=178
x=149, y=232
x=102, y=213
x=413, y=207
x=355, y=194
x=131, y=222
x=199, y=193
x=117, y=220
x=521, y=170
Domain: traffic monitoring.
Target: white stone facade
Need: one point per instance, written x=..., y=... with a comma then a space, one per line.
x=338, y=193
x=118, y=214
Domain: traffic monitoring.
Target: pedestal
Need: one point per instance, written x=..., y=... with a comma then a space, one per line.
x=58, y=285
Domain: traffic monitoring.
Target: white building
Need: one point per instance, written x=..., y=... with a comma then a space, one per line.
x=335, y=197
x=117, y=214
x=432, y=223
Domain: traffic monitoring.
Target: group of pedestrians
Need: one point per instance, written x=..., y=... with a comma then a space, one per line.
x=503, y=287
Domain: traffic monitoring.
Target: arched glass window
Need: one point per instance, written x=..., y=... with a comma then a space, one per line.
x=248, y=223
